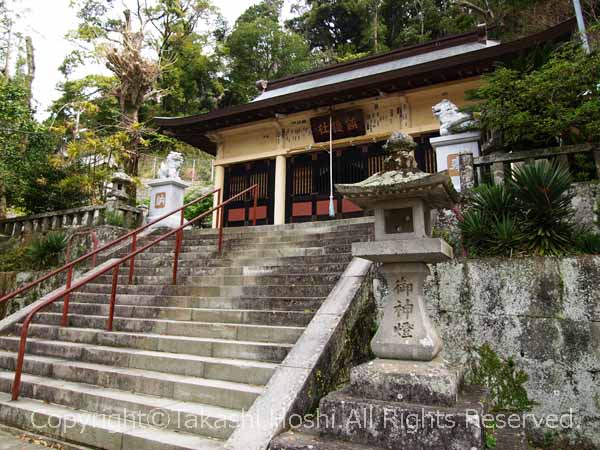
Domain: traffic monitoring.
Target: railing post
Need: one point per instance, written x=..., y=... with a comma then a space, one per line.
x=467, y=171
x=255, y=204
x=178, y=239
x=65, y=315
x=498, y=172
x=113, y=297
x=132, y=260
x=221, y=220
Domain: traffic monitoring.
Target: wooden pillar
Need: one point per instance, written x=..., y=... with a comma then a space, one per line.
x=219, y=184
x=280, y=189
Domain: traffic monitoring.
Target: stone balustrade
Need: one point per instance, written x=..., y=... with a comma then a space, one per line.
x=86, y=216
x=497, y=167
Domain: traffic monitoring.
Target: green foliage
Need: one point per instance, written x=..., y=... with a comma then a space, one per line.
x=544, y=202
x=198, y=208
x=28, y=173
x=528, y=215
x=259, y=48
x=587, y=242
x=13, y=256
x=558, y=103
x=502, y=378
x=48, y=251
x=114, y=218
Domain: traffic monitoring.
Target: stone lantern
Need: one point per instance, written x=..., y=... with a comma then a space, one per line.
x=409, y=375
x=119, y=195
x=402, y=198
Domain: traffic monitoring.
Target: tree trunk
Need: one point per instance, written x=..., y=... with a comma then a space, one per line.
x=3, y=203
x=30, y=69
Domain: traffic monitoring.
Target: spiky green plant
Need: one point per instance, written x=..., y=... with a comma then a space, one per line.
x=48, y=251
x=544, y=199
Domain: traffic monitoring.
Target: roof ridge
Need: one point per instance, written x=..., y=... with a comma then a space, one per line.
x=479, y=35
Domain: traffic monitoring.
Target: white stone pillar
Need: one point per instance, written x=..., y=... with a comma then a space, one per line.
x=219, y=184
x=447, y=149
x=280, y=185
x=166, y=195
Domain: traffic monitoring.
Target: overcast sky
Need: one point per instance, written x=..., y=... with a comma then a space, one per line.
x=47, y=21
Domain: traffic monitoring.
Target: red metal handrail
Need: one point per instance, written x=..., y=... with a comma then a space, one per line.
x=65, y=317
x=115, y=278
x=70, y=265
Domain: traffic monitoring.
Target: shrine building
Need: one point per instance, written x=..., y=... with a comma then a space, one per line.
x=281, y=140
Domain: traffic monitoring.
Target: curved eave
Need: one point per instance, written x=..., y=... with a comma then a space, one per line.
x=193, y=129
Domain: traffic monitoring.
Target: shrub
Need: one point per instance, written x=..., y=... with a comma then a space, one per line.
x=198, y=208
x=46, y=252
x=114, y=218
x=503, y=379
x=530, y=214
x=587, y=242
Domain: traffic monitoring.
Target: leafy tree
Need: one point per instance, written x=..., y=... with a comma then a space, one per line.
x=557, y=103
x=259, y=48
x=155, y=55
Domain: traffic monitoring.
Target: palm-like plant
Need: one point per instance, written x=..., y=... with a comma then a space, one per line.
x=47, y=251
x=544, y=200
x=531, y=213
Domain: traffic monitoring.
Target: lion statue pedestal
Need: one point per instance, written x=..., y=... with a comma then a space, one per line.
x=167, y=192
x=452, y=142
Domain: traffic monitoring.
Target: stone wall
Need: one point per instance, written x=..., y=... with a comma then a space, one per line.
x=585, y=202
x=543, y=312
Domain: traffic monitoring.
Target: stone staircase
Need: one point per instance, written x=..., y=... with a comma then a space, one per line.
x=183, y=362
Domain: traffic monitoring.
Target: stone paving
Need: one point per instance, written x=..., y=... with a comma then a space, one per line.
x=14, y=441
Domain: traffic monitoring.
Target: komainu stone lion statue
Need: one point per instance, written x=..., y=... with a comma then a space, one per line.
x=171, y=166
x=451, y=119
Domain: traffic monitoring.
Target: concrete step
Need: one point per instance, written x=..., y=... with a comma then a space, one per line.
x=239, y=316
x=96, y=430
x=320, y=290
x=282, y=269
x=225, y=369
x=197, y=244
x=240, y=332
x=178, y=387
x=211, y=421
x=228, y=280
x=217, y=348
x=189, y=260
x=306, y=304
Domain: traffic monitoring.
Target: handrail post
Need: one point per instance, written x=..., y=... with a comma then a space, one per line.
x=132, y=260
x=65, y=315
x=178, y=239
x=113, y=298
x=255, y=204
x=95, y=244
x=221, y=220
x=16, y=387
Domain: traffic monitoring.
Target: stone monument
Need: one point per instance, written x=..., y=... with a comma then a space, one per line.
x=167, y=192
x=456, y=137
x=409, y=397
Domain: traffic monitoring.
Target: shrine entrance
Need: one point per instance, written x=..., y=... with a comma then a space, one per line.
x=240, y=177
x=308, y=178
